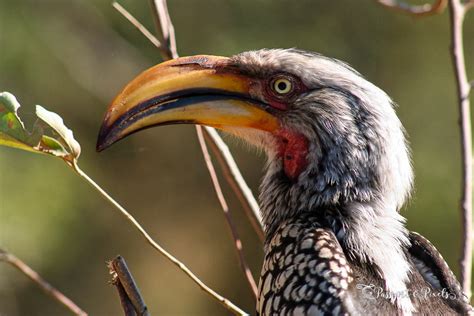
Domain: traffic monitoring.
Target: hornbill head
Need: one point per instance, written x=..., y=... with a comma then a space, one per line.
x=332, y=138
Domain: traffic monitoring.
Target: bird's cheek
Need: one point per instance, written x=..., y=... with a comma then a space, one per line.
x=293, y=150
x=279, y=105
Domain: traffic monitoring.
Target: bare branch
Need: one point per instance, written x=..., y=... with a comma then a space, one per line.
x=166, y=29
x=130, y=297
x=415, y=10
x=222, y=152
x=141, y=28
x=127, y=305
x=457, y=12
x=227, y=214
x=231, y=170
x=228, y=304
x=164, y=26
x=235, y=179
x=38, y=280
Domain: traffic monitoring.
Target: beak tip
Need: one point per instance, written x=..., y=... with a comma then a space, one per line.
x=104, y=140
x=99, y=147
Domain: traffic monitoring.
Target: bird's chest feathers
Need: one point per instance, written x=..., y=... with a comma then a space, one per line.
x=293, y=150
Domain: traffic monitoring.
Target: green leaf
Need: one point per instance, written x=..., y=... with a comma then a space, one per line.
x=12, y=129
x=59, y=142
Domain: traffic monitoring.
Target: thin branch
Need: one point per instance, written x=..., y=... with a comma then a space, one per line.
x=137, y=24
x=224, y=301
x=227, y=214
x=38, y=280
x=235, y=179
x=415, y=10
x=164, y=51
x=127, y=287
x=166, y=29
x=169, y=53
x=457, y=12
x=231, y=170
x=164, y=26
x=127, y=305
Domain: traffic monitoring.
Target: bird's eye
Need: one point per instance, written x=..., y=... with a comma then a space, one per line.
x=282, y=86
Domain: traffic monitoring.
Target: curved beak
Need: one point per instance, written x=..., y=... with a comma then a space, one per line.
x=201, y=90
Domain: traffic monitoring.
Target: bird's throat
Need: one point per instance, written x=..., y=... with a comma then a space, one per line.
x=293, y=150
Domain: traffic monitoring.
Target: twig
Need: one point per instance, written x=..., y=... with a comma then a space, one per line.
x=415, y=10
x=227, y=214
x=128, y=290
x=169, y=54
x=457, y=12
x=164, y=27
x=38, y=280
x=224, y=301
x=137, y=24
x=235, y=179
x=231, y=170
x=127, y=305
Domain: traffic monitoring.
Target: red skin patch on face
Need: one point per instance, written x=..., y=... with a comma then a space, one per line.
x=293, y=149
x=279, y=105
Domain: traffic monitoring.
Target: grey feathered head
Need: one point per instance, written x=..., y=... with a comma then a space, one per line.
x=356, y=146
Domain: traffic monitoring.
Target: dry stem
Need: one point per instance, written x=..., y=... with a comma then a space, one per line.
x=130, y=297
x=38, y=280
x=166, y=29
x=127, y=306
x=228, y=304
x=235, y=179
x=227, y=214
x=231, y=171
x=137, y=24
x=457, y=12
x=221, y=150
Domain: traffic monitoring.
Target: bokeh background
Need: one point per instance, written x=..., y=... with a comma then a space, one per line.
x=73, y=56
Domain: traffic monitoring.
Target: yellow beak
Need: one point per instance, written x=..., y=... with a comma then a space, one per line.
x=191, y=90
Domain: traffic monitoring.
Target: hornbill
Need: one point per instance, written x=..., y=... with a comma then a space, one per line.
x=338, y=173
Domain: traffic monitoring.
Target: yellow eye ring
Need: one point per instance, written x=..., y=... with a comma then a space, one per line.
x=282, y=86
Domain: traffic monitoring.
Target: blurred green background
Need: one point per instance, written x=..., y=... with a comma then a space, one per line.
x=73, y=56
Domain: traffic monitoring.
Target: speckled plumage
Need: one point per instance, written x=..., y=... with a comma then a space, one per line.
x=305, y=272
x=336, y=228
